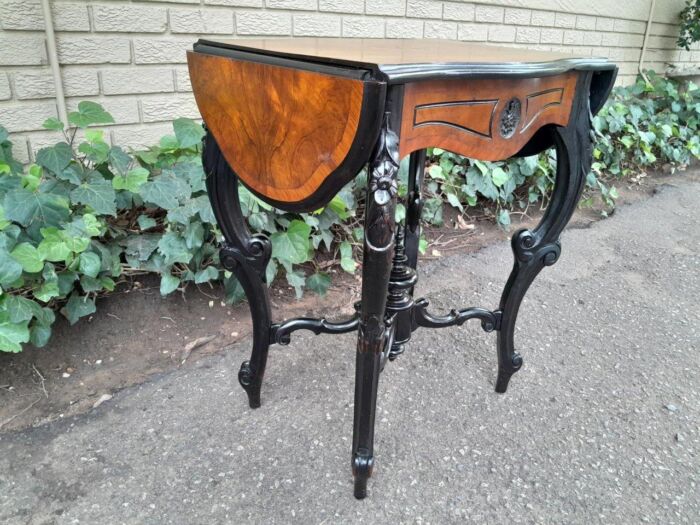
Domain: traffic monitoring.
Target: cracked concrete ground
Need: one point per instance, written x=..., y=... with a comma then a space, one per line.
x=600, y=425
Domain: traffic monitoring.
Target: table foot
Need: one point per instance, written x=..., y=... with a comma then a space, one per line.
x=362, y=465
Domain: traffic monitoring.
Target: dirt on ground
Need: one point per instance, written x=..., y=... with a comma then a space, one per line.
x=136, y=333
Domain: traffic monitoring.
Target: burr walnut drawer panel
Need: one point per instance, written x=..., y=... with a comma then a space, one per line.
x=488, y=119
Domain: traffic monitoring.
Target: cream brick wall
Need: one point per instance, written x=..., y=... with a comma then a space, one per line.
x=130, y=55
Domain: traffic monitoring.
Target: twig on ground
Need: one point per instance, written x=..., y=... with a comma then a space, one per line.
x=25, y=409
x=42, y=379
x=200, y=341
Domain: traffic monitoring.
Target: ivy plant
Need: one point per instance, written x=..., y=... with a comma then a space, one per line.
x=689, y=25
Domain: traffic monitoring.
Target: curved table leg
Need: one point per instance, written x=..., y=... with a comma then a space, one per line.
x=533, y=250
x=246, y=256
x=372, y=332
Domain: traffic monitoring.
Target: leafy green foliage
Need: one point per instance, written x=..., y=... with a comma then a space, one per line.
x=88, y=215
x=690, y=24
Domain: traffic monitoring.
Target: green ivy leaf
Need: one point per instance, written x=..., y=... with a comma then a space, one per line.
x=168, y=283
x=91, y=225
x=435, y=171
x=26, y=207
x=78, y=307
x=145, y=222
x=98, y=195
x=142, y=246
x=39, y=334
x=162, y=191
x=503, y=218
x=90, y=284
x=28, y=256
x=338, y=205
x=66, y=282
x=47, y=291
x=174, y=249
x=293, y=245
x=53, y=124
x=454, y=201
x=90, y=264
x=422, y=246
x=499, y=176
x=206, y=274
x=192, y=172
x=188, y=132
x=97, y=151
x=203, y=206
x=20, y=308
x=119, y=160
x=194, y=235
x=234, y=290
x=169, y=143
x=319, y=283
x=346, y=261
x=10, y=269
x=132, y=181
x=182, y=214
x=297, y=279
x=89, y=113
x=12, y=334
x=270, y=271
x=53, y=246
x=55, y=158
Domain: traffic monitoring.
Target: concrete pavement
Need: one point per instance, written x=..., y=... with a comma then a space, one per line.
x=601, y=425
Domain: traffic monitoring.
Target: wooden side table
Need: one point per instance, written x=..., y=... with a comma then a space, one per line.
x=296, y=119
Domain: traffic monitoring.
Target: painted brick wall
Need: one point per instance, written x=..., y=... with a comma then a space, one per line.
x=130, y=55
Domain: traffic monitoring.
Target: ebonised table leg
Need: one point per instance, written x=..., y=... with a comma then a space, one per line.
x=533, y=250
x=373, y=332
x=246, y=256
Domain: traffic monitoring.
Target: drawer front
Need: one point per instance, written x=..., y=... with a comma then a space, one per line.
x=487, y=119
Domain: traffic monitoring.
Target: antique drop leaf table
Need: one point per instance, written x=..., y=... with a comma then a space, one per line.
x=295, y=119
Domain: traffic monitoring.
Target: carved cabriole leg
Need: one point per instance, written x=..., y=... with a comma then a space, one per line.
x=246, y=256
x=533, y=250
x=372, y=332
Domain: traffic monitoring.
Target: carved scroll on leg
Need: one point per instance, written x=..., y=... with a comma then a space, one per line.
x=533, y=250
x=246, y=256
x=373, y=333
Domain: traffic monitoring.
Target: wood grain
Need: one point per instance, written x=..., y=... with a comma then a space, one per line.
x=463, y=116
x=282, y=130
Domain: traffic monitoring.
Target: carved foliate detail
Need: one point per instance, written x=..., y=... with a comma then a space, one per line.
x=385, y=165
x=510, y=118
